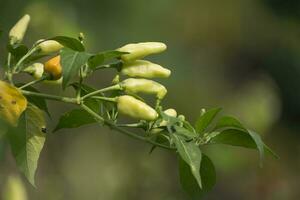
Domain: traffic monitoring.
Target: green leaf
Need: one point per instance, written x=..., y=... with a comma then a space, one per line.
x=71, y=62
x=27, y=141
x=191, y=154
x=74, y=119
x=247, y=139
x=99, y=58
x=185, y=132
x=3, y=128
x=69, y=42
x=37, y=101
x=188, y=182
x=229, y=122
x=205, y=119
x=17, y=50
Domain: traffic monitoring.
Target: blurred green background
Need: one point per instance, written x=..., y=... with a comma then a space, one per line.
x=243, y=56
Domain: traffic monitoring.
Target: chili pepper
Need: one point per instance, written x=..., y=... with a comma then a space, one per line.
x=36, y=70
x=135, y=108
x=53, y=67
x=14, y=189
x=144, y=69
x=49, y=46
x=134, y=85
x=140, y=50
x=170, y=112
x=18, y=31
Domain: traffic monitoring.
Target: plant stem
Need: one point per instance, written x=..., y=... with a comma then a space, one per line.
x=112, y=65
x=128, y=133
x=135, y=125
x=105, y=98
x=34, y=82
x=114, y=87
x=9, y=70
x=49, y=96
x=29, y=53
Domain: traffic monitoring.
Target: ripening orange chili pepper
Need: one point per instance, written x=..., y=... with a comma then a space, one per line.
x=53, y=67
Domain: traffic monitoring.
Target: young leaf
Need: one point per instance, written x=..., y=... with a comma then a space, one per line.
x=69, y=42
x=229, y=122
x=185, y=132
x=205, y=119
x=99, y=58
x=71, y=62
x=27, y=141
x=74, y=119
x=188, y=182
x=191, y=154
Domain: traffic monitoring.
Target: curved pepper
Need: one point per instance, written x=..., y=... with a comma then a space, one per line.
x=145, y=69
x=135, y=108
x=140, y=50
x=18, y=31
x=134, y=85
x=49, y=46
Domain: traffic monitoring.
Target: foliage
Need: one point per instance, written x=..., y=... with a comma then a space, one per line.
x=157, y=127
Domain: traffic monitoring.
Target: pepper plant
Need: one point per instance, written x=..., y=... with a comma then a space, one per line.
x=23, y=107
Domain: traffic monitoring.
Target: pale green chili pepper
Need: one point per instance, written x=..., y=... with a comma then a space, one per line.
x=36, y=70
x=49, y=46
x=145, y=69
x=134, y=85
x=140, y=50
x=135, y=108
x=18, y=31
x=14, y=189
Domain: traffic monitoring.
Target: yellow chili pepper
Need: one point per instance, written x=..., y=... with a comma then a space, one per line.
x=140, y=50
x=18, y=31
x=145, y=69
x=135, y=108
x=53, y=67
x=134, y=85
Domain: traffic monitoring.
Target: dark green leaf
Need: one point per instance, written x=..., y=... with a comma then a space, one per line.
x=69, y=42
x=74, y=119
x=236, y=137
x=161, y=138
x=71, y=62
x=191, y=154
x=99, y=58
x=37, y=101
x=188, y=182
x=27, y=141
x=3, y=128
x=17, y=50
x=229, y=122
x=91, y=103
x=205, y=119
